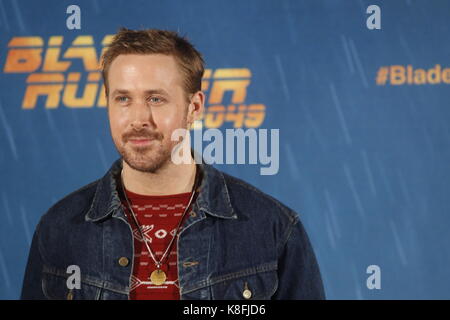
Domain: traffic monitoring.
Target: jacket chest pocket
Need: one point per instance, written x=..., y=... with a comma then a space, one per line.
x=245, y=285
x=55, y=287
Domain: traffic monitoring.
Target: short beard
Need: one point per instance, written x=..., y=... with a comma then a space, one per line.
x=139, y=161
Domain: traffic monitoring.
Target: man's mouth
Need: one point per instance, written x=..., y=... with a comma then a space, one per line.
x=140, y=141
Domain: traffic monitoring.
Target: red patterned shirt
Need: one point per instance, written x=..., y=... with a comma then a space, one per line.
x=158, y=217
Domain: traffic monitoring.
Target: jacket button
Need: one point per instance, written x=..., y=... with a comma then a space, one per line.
x=123, y=261
x=247, y=294
x=70, y=295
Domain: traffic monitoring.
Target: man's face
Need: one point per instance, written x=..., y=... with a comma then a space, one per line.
x=146, y=103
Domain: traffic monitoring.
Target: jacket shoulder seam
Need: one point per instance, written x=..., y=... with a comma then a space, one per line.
x=71, y=194
x=291, y=215
x=283, y=243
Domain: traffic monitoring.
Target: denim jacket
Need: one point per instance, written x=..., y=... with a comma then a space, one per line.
x=236, y=243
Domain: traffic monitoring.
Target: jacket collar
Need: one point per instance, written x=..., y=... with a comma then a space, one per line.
x=213, y=197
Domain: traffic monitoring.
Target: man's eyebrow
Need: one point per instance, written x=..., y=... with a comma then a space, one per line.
x=119, y=91
x=151, y=91
x=157, y=91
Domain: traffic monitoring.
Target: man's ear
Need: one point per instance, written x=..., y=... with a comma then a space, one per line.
x=196, y=106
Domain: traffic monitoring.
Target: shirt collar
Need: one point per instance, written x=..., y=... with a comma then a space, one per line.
x=213, y=197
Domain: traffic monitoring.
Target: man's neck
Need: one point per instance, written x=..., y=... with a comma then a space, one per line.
x=171, y=179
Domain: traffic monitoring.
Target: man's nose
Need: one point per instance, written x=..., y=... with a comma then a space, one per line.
x=141, y=115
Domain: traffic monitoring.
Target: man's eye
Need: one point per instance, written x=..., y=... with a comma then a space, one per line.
x=122, y=99
x=156, y=100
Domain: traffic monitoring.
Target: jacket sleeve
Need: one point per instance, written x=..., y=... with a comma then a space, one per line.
x=298, y=272
x=32, y=281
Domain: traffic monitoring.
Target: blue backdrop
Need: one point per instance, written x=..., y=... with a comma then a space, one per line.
x=363, y=119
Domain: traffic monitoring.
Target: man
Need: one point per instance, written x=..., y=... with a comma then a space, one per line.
x=154, y=229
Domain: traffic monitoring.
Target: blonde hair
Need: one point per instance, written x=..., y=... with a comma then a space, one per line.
x=154, y=41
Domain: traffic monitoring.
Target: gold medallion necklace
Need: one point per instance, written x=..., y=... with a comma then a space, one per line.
x=158, y=276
